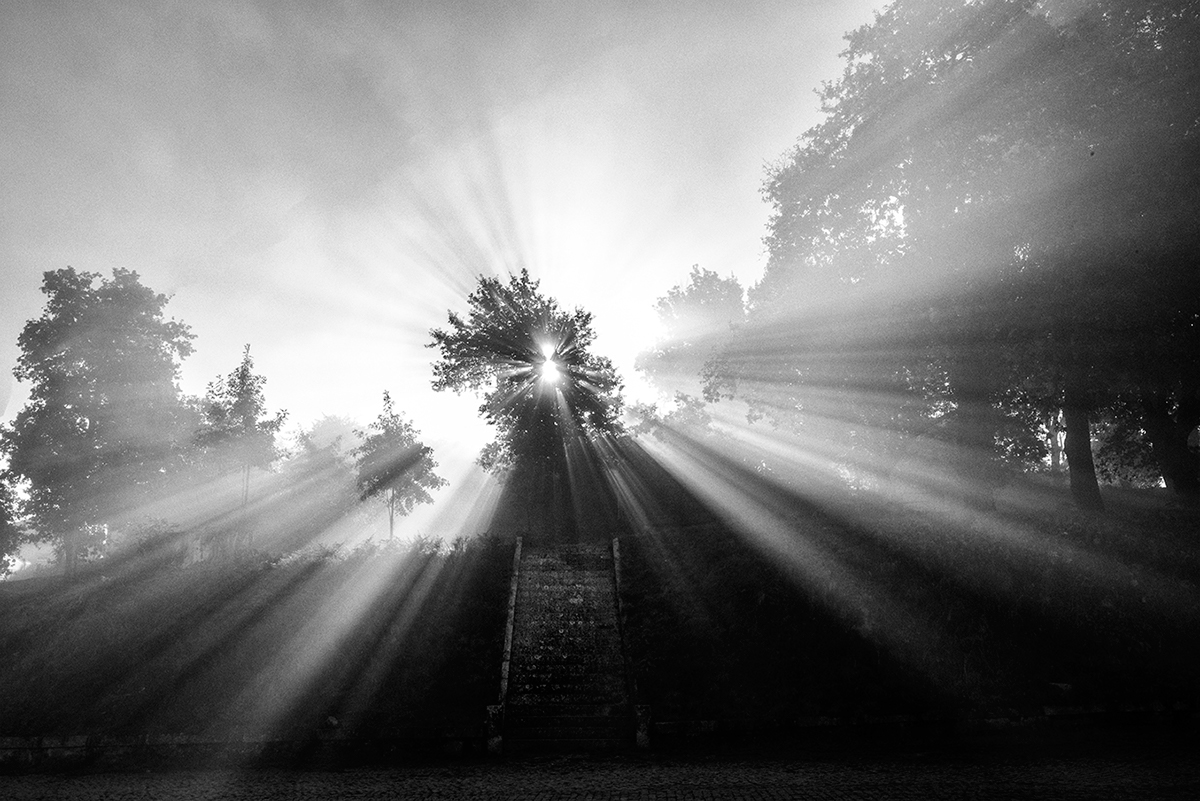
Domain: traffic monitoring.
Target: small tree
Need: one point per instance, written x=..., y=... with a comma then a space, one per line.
x=236, y=427
x=394, y=465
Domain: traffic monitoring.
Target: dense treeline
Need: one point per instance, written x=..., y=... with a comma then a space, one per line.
x=108, y=441
x=990, y=241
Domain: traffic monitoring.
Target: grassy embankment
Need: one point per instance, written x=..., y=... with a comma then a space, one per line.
x=890, y=612
x=873, y=613
x=383, y=640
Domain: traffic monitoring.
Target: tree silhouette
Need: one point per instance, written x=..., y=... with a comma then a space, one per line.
x=105, y=422
x=697, y=319
x=997, y=206
x=542, y=388
x=236, y=429
x=394, y=465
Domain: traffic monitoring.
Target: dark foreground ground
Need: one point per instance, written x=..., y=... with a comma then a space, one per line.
x=1114, y=764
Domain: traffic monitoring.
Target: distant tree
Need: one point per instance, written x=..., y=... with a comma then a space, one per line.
x=11, y=534
x=697, y=320
x=394, y=465
x=545, y=392
x=340, y=435
x=236, y=429
x=105, y=422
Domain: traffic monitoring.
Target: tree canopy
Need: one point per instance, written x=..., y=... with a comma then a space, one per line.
x=236, y=429
x=105, y=421
x=549, y=397
x=994, y=220
x=697, y=319
x=532, y=363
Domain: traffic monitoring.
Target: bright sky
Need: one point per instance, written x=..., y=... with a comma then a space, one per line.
x=324, y=180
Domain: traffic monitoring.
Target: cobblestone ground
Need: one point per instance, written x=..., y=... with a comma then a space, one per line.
x=1144, y=771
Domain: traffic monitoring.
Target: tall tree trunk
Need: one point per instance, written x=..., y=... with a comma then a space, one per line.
x=1168, y=433
x=71, y=551
x=1052, y=440
x=391, y=505
x=1085, y=490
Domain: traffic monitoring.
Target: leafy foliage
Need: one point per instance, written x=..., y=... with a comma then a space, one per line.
x=510, y=337
x=236, y=430
x=11, y=534
x=394, y=465
x=105, y=422
x=697, y=318
x=1002, y=188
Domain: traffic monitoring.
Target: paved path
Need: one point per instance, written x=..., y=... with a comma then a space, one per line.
x=1147, y=773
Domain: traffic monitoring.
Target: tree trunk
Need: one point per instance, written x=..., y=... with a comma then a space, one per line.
x=71, y=552
x=391, y=505
x=1085, y=490
x=1168, y=435
x=1052, y=432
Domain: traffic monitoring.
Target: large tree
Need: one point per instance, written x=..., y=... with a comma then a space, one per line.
x=105, y=421
x=543, y=389
x=394, y=465
x=997, y=199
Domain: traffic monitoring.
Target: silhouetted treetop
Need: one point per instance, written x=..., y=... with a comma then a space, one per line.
x=532, y=363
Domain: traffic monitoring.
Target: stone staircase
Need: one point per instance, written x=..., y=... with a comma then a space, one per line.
x=567, y=688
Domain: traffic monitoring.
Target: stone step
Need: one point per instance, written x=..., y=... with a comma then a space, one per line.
x=562, y=668
x=615, y=728
x=533, y=607
x=566, y=593
x=591, y=638
x=568, y=628
x=573, y=599
x=604, y=691
x=519, y=745
x=552, y=684
x=565, y=582
x=523, y=712
x=566, y=665
x=560, y=698
x=567, y=688
x=542, y=652
x=577, y=560
x=570, y=617
x=544, y=657
x=529, y=720
x=596, y=569
x=568, y=662
x=550, y=670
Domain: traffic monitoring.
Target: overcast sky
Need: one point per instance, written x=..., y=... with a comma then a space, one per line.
x=324, y=180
